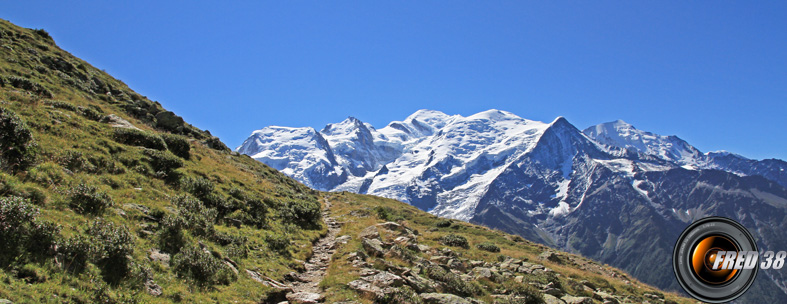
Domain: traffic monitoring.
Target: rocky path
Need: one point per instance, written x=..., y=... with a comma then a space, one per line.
x=305, y=285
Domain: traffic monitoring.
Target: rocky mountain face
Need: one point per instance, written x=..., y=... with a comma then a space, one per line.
x=611, y=192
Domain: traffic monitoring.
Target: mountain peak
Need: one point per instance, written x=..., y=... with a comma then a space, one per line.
x=344, y=127
x=494, y=115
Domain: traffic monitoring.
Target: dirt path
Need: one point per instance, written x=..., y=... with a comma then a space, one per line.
x=305, y=285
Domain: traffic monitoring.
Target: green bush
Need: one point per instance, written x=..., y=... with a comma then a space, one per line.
x=444, y=223
x=22, y=233
x=403, y=295
x=43, y=33
x=278, y=242
x=77, y=161
x=520, y=293
x=27, y=85
x=199, y=187
x=114, y=245
x=201, y=267
x=163, y=161
x=195, y=216
x=454, y=240
x=178, y=145
x=171, y=237
x=488, y=246
x=18, y=149
x=85, y=199
x=306, y=214
x=77, y=252
x=57, y=104
x=90, y=113
x=254, y=210
x=216, y=144
x=452, y=282
x=387, y=214
x=134, y=137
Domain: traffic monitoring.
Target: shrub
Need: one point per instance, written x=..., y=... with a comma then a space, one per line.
x=28, y=85
x=171, y=237
x=454, y=240
x=520, y=294
x=257, y=212
x=198, y=186
x=86, y=199
x=17, y=147
x=278, y=242
x=76, y=161
x=306, y=214
x=114, y=244
x=254, y=210
x=216, y=144
x=387, y=214
x=443, y=223
x=163, y=161
x=201, y=267
x=90, y=113
x=488, y=246
x=77, y=252
x=178, y=145
x=403, y=295
x=22, y=232
x=134, y=137
x=452, y=282
x=43, y=33
x=57, y=104
x=195, y=216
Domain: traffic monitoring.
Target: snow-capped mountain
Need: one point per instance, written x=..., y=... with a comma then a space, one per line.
x=612, y=192
x=673, y=149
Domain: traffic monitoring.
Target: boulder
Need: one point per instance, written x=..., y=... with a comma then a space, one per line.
x=304, y=298
x=482, y=272
x=442, y=260
x=553, y=291
x=456, y=264
x=366, y=289
x=117, y=122
x=157, y=256
x=550, y=299
x=420, y=284
x=152, y=288
x=384, y=279
x=343, y=239
x=443, y=298
x=369, y=233
x=550, y=256
x=374, y=247
x=169, y=121
x=576, y=300
x=605, y=297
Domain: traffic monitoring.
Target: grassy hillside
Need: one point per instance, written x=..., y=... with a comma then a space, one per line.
x=106, y=197
x=94, y=200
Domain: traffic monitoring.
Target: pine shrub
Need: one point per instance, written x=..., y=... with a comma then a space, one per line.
x=134, y=137
x=454, y=240
x=86, y=199
x=18, y=149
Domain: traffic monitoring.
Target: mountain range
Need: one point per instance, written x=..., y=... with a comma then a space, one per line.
x=610, y=192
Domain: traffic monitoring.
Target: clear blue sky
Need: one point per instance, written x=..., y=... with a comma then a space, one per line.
x=711, y=72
